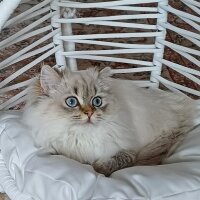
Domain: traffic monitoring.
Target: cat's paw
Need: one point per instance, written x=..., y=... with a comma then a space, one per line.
x=103, y=167
x=121, y=160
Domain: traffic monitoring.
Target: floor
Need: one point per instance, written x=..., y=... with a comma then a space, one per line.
x=1, y=197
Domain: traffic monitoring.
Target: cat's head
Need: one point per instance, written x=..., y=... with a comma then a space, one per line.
x=84, y=97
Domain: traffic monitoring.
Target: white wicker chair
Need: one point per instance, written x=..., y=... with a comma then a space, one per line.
x=51, y=23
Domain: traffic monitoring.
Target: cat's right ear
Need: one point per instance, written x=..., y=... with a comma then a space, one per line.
x=49, y=78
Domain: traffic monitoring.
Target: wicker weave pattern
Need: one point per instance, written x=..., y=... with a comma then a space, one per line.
x=61, y=41
x=53, y=28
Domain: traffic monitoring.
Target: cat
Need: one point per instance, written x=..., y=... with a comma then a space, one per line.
x=105, y=122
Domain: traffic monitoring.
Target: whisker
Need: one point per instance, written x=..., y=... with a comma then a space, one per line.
x=76, y=117
x=99, y=118
x=76, y=120
x=115, y=124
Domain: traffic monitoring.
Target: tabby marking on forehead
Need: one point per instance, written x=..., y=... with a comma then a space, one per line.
x=76, y=90
x=85, y=89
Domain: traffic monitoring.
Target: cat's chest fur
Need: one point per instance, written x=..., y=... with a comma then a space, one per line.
x=85, y=143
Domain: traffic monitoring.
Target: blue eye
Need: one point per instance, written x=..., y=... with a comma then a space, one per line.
x=97, y=101
x=71, y=102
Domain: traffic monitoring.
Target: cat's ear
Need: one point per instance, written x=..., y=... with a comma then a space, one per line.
x=104, y=81
x=105, y=72
x=49, y=78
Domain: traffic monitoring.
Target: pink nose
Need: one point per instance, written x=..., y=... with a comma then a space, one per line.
x=89, y=113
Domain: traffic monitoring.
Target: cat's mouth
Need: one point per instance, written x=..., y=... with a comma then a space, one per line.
x=89, y=121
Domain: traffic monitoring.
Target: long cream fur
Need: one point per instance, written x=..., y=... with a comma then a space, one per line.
x=132, y=117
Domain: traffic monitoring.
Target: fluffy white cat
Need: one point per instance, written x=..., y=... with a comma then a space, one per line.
x=90, y=117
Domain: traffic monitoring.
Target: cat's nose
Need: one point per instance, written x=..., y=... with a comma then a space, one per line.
x=89, y=113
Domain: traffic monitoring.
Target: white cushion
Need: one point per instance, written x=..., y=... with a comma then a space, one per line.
x=54, y=177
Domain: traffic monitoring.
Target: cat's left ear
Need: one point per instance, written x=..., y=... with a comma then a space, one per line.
x=49, y=78
x=105, y=72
